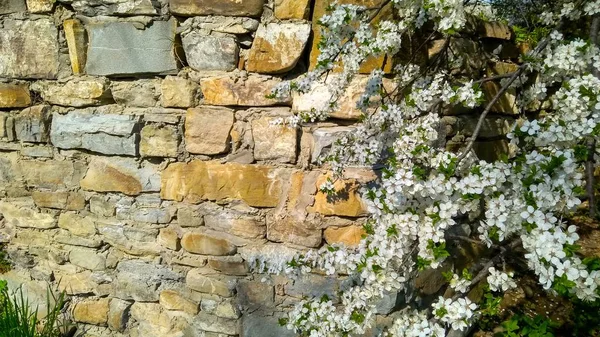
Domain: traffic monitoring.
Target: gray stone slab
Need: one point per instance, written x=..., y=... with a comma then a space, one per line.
x=12, y=6
x=259, y=324
x=119, y=48
x=207, y=52
x=29, y=49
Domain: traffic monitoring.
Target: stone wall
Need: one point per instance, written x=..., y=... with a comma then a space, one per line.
x=140, y=173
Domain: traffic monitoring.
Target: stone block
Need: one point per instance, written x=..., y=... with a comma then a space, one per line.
x=120, y=175
x=189, y=216
x=207, y=129
x=494, y=29
x=159, y=141
x=255, y=294
x=492, y=127
x=506, y=104
x=292, y=9
x=168, y=238
x=72, y=201
x=324, y=138
x=52, y=174
x=119, y=48
x=277, y=47
x=178, y=92
x=88, y=259
x=222, y=24
x=77, y=224
x=210, y=52
x=140, y=93
x=258, y=186
x=12, y=6
x=76, y=37
x=140, y=280
x=14, y=95
x=206, y=244
x=114, y=7
x=344, y=201
x=173, y=300
x=78, y=92
x=314, y=286
x=40, y=46
x=107, y=134
x=36, y=151
x=76, y=284
x=153, y=321
x=349, y=236
x=260, y=324
x=40, y=6
x=492, y=150
x=274, y=142
x=250, y=91
x=229, y=265
x=289, y=230
x=118, y=314
x=27, y=217
x=198, y=281
x=33, y=124
x=236, y=223
x=252, y=8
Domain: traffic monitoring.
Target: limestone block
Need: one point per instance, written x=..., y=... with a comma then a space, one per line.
x=229, y=265
x=236, y=223
x=118, y=314
x=76, y=41
x=65, y=237
x=52, y=174
x=209, y=52
x=167, y=237
x=36, y=151
x=12, y=6
x=173, y=300
x=178, y=92
x=349, y=236
x=222, y=24
x=258, y=186
x=345, y=201
x=197, y=280
x=289, y=230
x=259, y=324
x=140, y=280
x=77, y=224
x=107, y=134
x=120, y=175
x=159, y=141
x=206, y=244
x=189, y=216
x=255, y=294
x=40, y=6
x=140, y=93
x=88, y=259
x=292, y=9
x=72, y=201
x=23, y=216
x=14, y=95
x=207, y=129
x=274, y=142
x=75, y=284
x=277, y=47
x=114, y=7
x=250, y=91
x=252, y=8
x=119, y=48
x=153, y=321
x=40, y=46
x=324, y=138
x=33, y=124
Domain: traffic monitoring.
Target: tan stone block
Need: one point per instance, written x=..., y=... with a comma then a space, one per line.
x=230, y=265
x=23, y=216
x=71, y=201
x=75, y=284
x=277, y=47
x=52, y=174
x=506, y=104
x=494, y=29
x=250, y=91
x=40, y=6
x=76, y=37
x=118, y=314
x=349, y=236
x=77, y=224
x=178, y=92
x=292, y=9
x=205, y=244
x=159, y=141
x=274, y=142
x=173, y=300
x=198, y=281
x=345, y=201
x=14, y=96
x=302, y=233
x=33, y=124
x=251, y=8
x=91, y=311
x=77, y=92
x=207, y=129
x=167, y=237
x=119, y=175
x=258, y=186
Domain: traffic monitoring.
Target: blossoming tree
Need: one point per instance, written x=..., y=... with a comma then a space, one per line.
x=427, y=197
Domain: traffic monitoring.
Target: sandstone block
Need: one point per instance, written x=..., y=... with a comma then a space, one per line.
x=494, y=29
x=206, y=244
x=345, y=201
x=23, y=216
x=292, y=9
x=211, y=323
x=75, y=284
x=173, y=300
x=77, y=224
x=250, y=91
x=88, y=259
x=197, y=280
x=119, y=48
x=41, y=48
x=159, y=141
x=189, y=216
x=207, y=129
x=33, y=124
x=230, y=265
x=277, y=47
x=178, y=92
x=14, y=95
x=40, y=6
x=258, y=186
x=296, y=232
x=140, y=280
x=153, y=321
x=324, y=138
x=107, y=134
x=255, y=294
x=222, y=24
x=91, y=311
x=506, y=104
x=274, y=142
x=76, y=41
x=120, y=175
x=52, y=174
x=80, y=92
x=209, y=52
x=168, y=238
x=239, y=224
x=252, y=8
x=118, y=313
x=12, y=6
x=349, y=236
x=140, y=93
x=114, y=7
x=71, y=201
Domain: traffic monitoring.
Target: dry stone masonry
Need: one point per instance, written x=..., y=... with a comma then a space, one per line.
x=140, y=171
